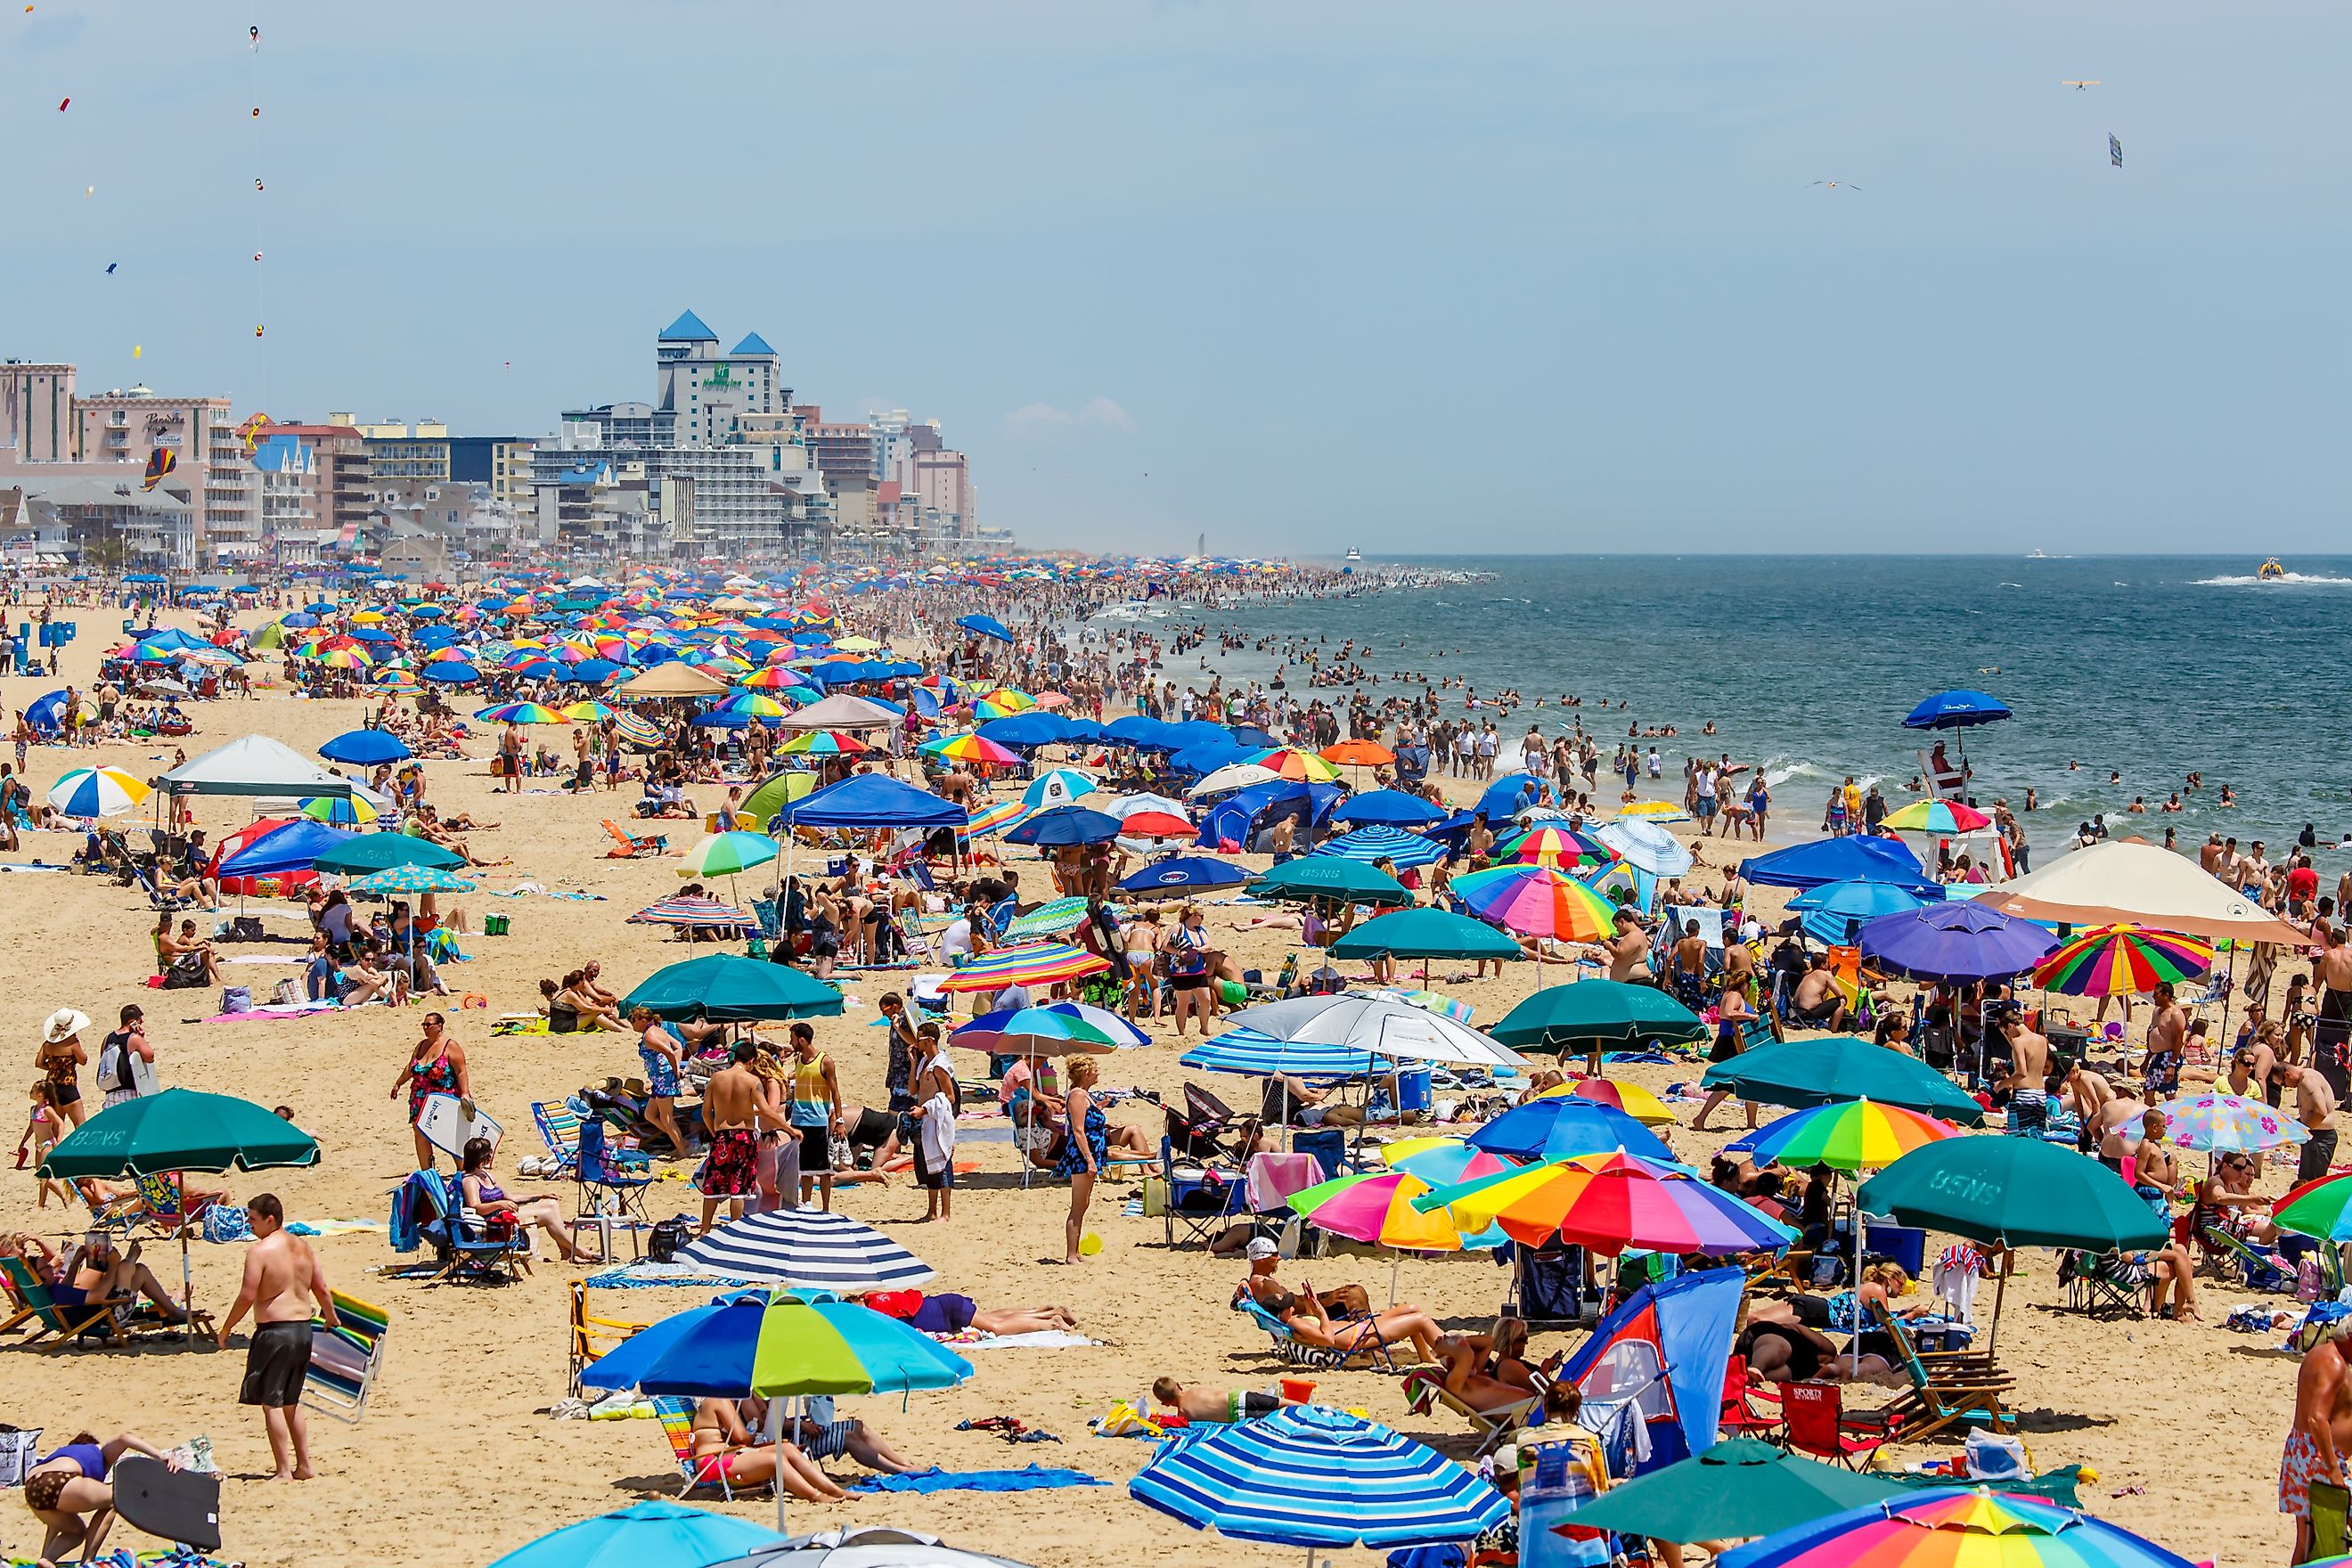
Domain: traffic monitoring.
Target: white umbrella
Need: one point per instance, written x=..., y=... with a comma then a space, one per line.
x=1232, y=776
x=809, y=1250
x=867, y=1546
x=1645, y=846
x=1127, y=805
x=1375, y=1024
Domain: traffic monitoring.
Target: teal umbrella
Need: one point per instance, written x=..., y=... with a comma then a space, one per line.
x=656, y=1534
x=1802, y=1073
x=381, y=852
x=1593, y=1012
x=1738, y=1488
x=1426, y=933
x=733, y=990
x=412, y=879
x=1330, y=877
x=179, y=1129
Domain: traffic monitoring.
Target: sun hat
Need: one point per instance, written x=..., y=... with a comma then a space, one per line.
x=64, y=1025
x=1260, y=1248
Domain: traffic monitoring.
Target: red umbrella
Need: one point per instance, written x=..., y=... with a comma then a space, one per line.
x=1157, y=825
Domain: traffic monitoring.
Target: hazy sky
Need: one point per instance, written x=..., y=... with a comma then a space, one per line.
x=1300, y=275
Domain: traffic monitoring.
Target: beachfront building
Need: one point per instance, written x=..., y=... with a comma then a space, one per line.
x=108, y=525
x=594, y=505
x=36, y=423
x=501, y=462
x=344, y=492
x=401, y=451
x=127, y=426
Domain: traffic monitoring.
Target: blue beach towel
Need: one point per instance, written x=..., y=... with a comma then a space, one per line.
x=1028, y=1479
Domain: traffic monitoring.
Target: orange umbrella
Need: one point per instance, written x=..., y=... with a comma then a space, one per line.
x=1359, y=754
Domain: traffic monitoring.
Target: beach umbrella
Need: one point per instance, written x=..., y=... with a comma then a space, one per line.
x=1652, y=811
x=1033, y=1032
x=1327, y=876
x=1835, y=912
x=656, y=1534
x=97, y=791
x=1056, y=788
x=1591, y=1015
x=1962, y=941
x=705, y=913
x=365, y=748
x=1559, y=1127
x=1359, y=754
x=732, y=989
x=1554, y=844
x=1230, y=776
x=868, y=1546
x=1943, y=818
x=1284, y=762
x=520, y=713
x=586, y=713
x=1028, y=963
x=450, y=672
x=343, y=810
x=2317, y=1208
x=1155, y=825
x=1645, y=845
x=729, y=854
x=1380, y=1024
x=1245, y=1053
x=1054, y=917
x=718, y=1350
x=1064, y=826
x=1738, y=1489
x=987, y=1031
x=2014, y=1192
x=2229, y=1123
x=1800, y=1073
x=823, y=743
x=381, y=851
x=1609, y=1202
x=178, y=1130
x=1004, y=814
x=1376, y=1207
x=1442, y=1162
x=1970, y=1527
x=636, y=729
x=412, y=879
x=1538, y=901
x=971, y=749
x=807, y=1249
x=1630, y=1098
x=1393, y=808
x=987, y=626
x=776, y=792
x=2123, y=961
x=1184, y=871
x=1377, y=841
x=1314, y=1476
x=1425, y=935
x=1845, y=1135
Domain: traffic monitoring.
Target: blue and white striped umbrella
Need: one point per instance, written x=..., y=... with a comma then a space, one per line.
x=809, y=1249
x=1310, y=1475
x=1254, y=1055
x=1377, y=840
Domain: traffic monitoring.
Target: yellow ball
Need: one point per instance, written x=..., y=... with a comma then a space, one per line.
x=1089, y=1244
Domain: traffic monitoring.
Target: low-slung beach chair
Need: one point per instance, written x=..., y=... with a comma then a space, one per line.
x=2101, y=1284
x=1818, y=1426
x=631, y=848
x=1948, y=1388
x=1493, y=1427
x=588, y=1330
x=34, y=1303
x=559, y=1129
x=1371, y=1354
x=345, y=1360
x=678, y=1426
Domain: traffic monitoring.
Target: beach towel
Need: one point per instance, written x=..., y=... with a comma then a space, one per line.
x=274, y=1012
x=12, y=866
x=650, y=1274
x=938, y=1132
x=1042, y=1339
x=1028, y=1479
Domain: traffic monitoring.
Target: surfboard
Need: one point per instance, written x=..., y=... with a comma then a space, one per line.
x=443, y=1122
x=179, y=1506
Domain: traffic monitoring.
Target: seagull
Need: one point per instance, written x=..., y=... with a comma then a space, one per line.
x=1832, y=184
x=2081, y=86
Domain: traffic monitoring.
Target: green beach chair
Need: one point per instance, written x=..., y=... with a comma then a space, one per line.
x=345, y=1360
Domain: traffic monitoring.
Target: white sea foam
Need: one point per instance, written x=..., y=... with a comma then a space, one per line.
x=2291, y=580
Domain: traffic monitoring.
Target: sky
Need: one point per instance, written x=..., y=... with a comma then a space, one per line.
x=1297, y=277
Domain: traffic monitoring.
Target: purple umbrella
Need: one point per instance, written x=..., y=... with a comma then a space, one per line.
x=1954, y=941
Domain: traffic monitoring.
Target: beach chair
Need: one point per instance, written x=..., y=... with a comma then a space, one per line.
x=2103, y=1285
x=163, y=1208
x=1493, y=1427
x=1948, y=1388
x=1818, y=1424
x=630, y=847
x=1372, y=1355
x=345, y=1360
x=2329, y=1506
x=678, y=1426
x=35, y=1303
x=609, y=1196
x=587, y=1331
x=559, y=1129
x=1201, y=1198
x=2257, y=1268
x=462, y=1241
x=1739, y=1417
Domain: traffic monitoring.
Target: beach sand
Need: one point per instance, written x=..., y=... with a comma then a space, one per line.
x=456, y=1463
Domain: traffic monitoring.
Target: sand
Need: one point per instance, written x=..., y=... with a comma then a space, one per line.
x=457, y=1462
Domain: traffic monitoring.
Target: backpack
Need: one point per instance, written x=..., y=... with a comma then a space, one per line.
x=668, y=1238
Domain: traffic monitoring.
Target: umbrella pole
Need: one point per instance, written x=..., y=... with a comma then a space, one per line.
x=187, y=1284
x=2000, y=1289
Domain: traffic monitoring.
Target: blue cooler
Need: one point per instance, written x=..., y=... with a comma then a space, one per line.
x=1413, y=1089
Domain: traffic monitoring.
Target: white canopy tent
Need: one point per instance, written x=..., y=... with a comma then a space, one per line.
x=2114, y=883
x=256, y=765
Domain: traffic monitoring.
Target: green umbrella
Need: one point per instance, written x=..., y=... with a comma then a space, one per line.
x=775, y=793
x=1330, y=877
x=1802, y=1073
x=2014, y=1192
x=412, y=879
x=1426, y=933
x=383, y=851
x=1587, y=1012
x=733, y=990
x=1738, y=1488
x=179, y=1129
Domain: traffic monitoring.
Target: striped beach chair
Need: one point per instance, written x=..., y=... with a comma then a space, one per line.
x=678, y=1426
x=345, y=1359
x=559, y=1129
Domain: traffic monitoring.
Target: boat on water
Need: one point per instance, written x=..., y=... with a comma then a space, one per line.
x=2037, y=555
x=1353, y=555
x=2271, y=571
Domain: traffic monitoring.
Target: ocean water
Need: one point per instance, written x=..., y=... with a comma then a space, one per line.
x=2150, y=667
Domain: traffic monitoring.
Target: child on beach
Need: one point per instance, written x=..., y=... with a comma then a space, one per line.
x=41, y=1135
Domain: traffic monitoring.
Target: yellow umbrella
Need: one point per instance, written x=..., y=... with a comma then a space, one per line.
x=1630, y=1098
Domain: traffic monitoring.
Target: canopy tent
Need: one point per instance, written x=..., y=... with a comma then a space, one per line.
x=873, y=800
x=2118, y=884
x=1387, y=807
x=842, y=711
x=294, y=847
x=256, y=765
x=674, y=679
x=1858, y=859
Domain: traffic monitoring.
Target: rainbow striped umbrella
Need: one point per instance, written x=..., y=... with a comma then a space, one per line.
x=1630, y=1098
x=1031, y=964
x=1938, y=817
x=751, y=705
x=521, y=713
x=1609, y=1202
x=1009, y=700
x=1845, y=1135
x=1538, y=901
x=825, y=744
x=1443, y=1161
x=1547, y=844
x=683, y=910
x=586, y=713
x=775, y=677
x=1290, y=762
x=1004, y=814
x=2122, y=960
x=339, y=808
x=637, y=729
x=2320, y=1208
x=1376, y=1207
x=1972, y=1527
x=729, y=854
x=971, y=749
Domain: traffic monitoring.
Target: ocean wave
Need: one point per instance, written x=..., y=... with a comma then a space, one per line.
x=1778, y=771
x=2293, y=579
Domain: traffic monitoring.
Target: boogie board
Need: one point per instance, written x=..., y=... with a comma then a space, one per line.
x=179, y=1506
x=443, y=1122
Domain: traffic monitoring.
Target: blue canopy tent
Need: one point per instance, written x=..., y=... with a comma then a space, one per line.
x=1143, y=734
x=1243, y=818
x=1659, y=1358
x=1857, y=858
x=293, y=848
x=1024, y=730
x=1835, y=912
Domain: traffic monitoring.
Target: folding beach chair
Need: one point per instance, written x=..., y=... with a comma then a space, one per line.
x=1207, y=1129
x=678, y=1426
x=632, y=848
x=1493, y=1427
x=587, y=1331
x=1740, y=1416
x=2098, y=1286
x=345, y=1359
x=1202, y=1199
x=1818, y=1426
x=609, y=1196
x=1948, y=1388
x=464, y=1245
x=559, y=1129
x=2329, y=1505
x=2257, y=1268
x=35, y=1303
x=1371, y=1354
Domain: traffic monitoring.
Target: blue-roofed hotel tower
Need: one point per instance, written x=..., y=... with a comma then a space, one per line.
x=706, y=393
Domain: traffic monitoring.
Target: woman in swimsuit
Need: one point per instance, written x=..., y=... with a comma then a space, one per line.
x=436, y=1066
x=723, y=1448
x=486, y=1197
x=61, y=1060
x=72, y=1481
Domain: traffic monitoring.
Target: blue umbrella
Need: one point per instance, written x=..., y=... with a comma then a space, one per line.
x=1956, y=710
x=450, y=672
x=1310, y=1475
x=1184, y=871
x=366, y=748
x=1963, y=940
x=1253, y=1054
x=987, y=626
x=1065, y=824
x=1378, y=841
x=1560, y=1127
x=644, y=1535
x=1388, y=807
x=1834, y=912
x=1142, y=734
x=1024, y=730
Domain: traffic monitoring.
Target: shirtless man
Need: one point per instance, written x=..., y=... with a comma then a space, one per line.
x=282, y=1284
x=1817, y=1001
x=736, y=1105
x=2116, y=1131
x=1690, y=966
x=2029, y=1056
x=1628, y=950
x=2323, y=1417
x=2315, y=1107
x=2157, y=1168
x=2168, y=1032
x=2333, y=972
x=2087, y=1094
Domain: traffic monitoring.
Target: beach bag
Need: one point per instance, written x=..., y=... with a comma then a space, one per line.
x=2308, y=1285
x=247, y=928
x=668, y=1238
x=286, y=993
x=225, y=1223
x=237, y=999
x=1997, y=1457
x=17, y=1447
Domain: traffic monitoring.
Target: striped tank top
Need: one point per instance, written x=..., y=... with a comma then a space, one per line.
x=810, y=1107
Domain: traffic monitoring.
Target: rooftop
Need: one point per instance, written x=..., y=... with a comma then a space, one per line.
x=752, y=343
x=688, y=329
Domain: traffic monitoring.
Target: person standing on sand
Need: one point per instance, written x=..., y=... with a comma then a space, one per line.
x=2028, y=1097
x=282, y=1283
x=2321, y=1427
x=2315, y=1107
x=734, y=1112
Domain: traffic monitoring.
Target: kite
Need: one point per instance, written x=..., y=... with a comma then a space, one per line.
x=161, y=461
x=61, y=104
x=2115, y=150
x=257, y=113
x=2081, y=86
x=256, y=256
x=252, y=33
x=256, y=184
x=257, y=330
x=250, y=431
x=110, y=266
x=136, y=350
x=90, y=190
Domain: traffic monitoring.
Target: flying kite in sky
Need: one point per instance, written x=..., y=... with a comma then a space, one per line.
x=110, y=266
x=2081, y=86
x=159, y=462
x=1832, y=184
x=252, y=33
x=2115, y=150
x=250, y=431
x=61, y=104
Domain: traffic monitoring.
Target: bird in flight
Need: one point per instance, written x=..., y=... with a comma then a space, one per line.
x=2081, y=86
x=1832, y=184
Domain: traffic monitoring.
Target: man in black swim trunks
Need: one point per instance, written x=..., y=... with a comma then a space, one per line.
x=282, y=1283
